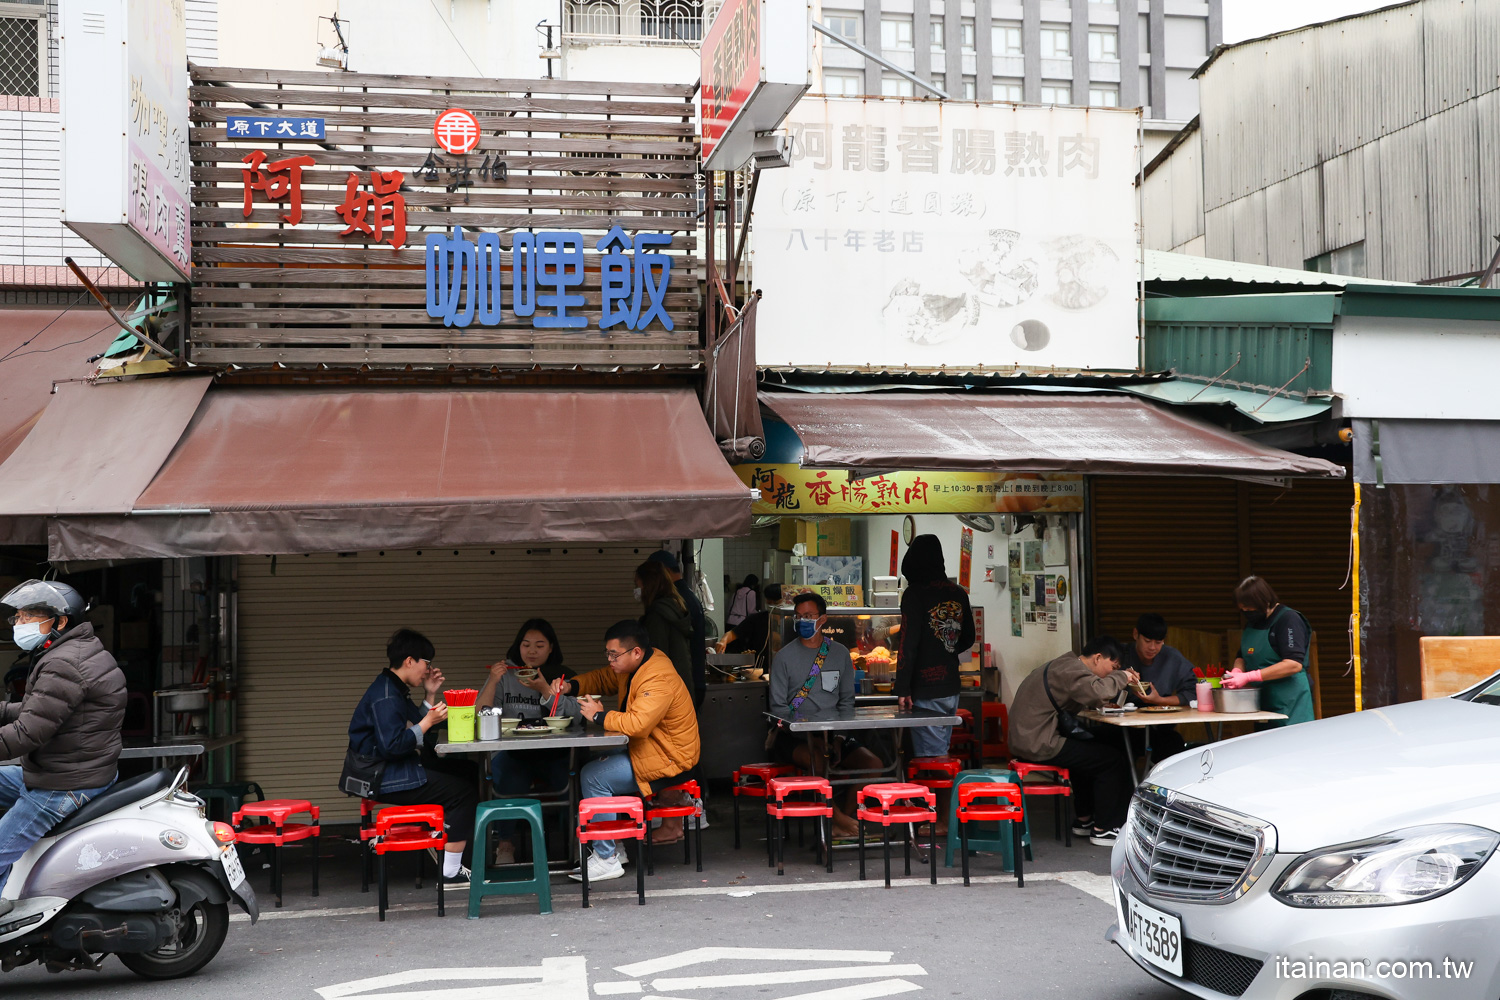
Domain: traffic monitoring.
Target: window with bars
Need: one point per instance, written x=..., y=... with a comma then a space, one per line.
x=23, y=56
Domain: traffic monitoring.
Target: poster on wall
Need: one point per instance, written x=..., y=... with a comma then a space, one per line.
x=976, y=235
x=789, y=489
x=835, y=570
x=965, y=557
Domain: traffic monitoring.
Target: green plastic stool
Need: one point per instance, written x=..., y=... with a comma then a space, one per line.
x=529, y=811
x=233, y=795
x=1002, y=842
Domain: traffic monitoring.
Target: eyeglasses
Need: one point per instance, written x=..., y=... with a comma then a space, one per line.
x=612, y=655
x=28, y=617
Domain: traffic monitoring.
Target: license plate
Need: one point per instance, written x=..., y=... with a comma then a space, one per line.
x=1154, y=935
x=233, y=870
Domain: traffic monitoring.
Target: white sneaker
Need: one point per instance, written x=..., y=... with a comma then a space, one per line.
x=699, y=820
x=601, y=869
x=1106, y=838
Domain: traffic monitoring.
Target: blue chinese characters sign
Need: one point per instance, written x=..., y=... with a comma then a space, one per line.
x=464, y=279
x=252, y=127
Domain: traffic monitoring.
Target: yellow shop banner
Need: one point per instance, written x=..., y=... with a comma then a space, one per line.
x=793, y=491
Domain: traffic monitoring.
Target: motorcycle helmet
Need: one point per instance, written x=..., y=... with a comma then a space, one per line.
x=47, y=595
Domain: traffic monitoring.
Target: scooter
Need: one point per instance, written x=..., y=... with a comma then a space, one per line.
x=137, y=872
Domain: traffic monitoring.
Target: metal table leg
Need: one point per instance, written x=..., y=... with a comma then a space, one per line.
x=1135, y=779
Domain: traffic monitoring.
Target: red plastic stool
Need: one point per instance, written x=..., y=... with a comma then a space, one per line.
x=1012, y=811
x=964, y=738
x=751, y=780
x=633, y=827
x=994, y=741
x=891, y=805
x=1059, y=783
x=934, y=772
x=654, y=812
x=277, y=832
x=780, y=808
x=407, y=828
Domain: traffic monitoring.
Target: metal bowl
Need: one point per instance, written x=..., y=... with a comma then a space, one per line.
x=1232, y=702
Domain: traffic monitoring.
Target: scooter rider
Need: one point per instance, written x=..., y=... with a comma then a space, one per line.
x=67, y=727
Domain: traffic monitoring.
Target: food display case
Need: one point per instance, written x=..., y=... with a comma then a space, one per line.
x=873, y=636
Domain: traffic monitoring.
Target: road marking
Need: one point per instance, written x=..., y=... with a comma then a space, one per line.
x=555, y=979
x=860, y=991
x=698, y=956
x=616, y=989
x=1097, y=886
x=790, y=976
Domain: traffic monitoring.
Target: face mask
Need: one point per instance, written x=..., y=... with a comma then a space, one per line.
x=636, y=593
x=807, y=627
x=29, y=635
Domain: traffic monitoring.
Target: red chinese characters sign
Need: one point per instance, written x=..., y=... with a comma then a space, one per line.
x=731, y=67
x=791, y=490
x=379, y=212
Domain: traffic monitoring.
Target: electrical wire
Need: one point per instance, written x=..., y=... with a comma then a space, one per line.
x=460, y=44
x=43, y=330
x=12, y=356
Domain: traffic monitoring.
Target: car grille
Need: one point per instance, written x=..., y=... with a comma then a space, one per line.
x=1219, y=970
x=1188, y=853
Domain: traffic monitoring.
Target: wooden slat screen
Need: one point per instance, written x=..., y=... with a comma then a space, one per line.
x=580, y=157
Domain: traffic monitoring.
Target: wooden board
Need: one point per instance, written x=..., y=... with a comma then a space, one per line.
x=1454, y=663
x=580, y=157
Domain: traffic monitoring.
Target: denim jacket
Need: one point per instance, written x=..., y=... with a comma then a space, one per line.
x=383, y=727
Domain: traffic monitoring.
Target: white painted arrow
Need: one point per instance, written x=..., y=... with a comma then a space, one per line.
x=698, y=956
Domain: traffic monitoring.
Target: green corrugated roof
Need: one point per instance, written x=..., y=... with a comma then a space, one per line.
x=1258, y=406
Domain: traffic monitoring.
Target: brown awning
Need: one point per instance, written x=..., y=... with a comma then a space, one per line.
x=39, y=347
x=265, y=470
x=97, y=445
x=1054, y=432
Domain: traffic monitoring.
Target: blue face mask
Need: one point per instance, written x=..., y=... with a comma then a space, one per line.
x=807, y=628
x=28, y=635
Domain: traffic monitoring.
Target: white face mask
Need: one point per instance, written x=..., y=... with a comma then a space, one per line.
x=28, y=635
x=637, y=593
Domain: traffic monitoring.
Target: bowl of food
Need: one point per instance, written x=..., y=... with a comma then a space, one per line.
x=528, y=675
x=557, y=723
x=508, y=725
x=1142, y=688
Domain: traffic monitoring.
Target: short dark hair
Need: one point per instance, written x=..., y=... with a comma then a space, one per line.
x=773, y=593
x=1255, y=592
x=629, y=633
x=1151, y=626
x=404, y=643
x=817, y=599
x=1102, y=645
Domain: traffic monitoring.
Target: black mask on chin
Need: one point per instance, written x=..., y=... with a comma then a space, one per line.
x=1254, y=619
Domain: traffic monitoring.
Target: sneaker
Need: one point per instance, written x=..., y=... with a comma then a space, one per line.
x=1083, y=829
x=459, y=881
x=601, y=869
x=699, y=820
x=1104, y=838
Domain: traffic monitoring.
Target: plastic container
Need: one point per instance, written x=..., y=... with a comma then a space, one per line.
x=460, y=723
x=1205, y=696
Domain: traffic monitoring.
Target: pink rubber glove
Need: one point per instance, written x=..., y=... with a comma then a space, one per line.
x=1236, y=679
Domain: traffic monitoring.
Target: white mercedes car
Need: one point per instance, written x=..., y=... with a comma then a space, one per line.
x=1346, y=859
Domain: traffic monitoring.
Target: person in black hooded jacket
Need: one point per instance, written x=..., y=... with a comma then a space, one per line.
x=937, y=624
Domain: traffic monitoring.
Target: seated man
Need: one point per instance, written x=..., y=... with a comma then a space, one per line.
x=814, y=678
x=1172, y=682
x=1040, y=734
x=65, y=729
x=656, y=712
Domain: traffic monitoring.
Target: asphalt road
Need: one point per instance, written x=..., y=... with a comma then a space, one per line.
x=807, y=934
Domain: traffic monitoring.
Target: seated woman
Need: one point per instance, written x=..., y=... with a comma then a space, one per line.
x=386, y=725
x=536, y=654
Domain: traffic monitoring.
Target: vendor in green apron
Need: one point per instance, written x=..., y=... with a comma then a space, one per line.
x=1273, y=653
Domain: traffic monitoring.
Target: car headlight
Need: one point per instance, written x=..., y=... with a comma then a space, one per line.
x=1404, y=866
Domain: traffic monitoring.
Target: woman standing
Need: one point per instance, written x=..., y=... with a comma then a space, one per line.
x=665, y=617
x=745, y=602
x=537, y=654
x=937, y=624
x=1273, y=653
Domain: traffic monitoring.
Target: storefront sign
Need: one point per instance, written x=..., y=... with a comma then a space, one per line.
x=125, y=165
x=976, y=235
x=547, y=273
x=791, y=490
x=838, y=595
x=456, y=131
x=368, y=211
x=253, y=127
x=755, y=65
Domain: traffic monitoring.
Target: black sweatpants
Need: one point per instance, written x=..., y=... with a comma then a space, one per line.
x=1101, y=779
x=452, y=784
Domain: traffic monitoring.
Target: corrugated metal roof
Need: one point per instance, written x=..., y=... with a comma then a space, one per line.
x=1164, y=266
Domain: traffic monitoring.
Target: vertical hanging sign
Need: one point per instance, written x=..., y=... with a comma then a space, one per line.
x=965, y=557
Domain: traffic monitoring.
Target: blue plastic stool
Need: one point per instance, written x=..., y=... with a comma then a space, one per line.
x=1002, y=842
x=529, y=811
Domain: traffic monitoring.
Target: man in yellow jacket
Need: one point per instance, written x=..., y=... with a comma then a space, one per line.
x=656, y=712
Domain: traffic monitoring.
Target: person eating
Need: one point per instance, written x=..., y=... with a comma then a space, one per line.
x=1273, y=653
x=521, y=686
x=1171, y=678
x=813, y=678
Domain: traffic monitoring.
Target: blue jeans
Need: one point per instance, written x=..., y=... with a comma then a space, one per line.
x=514, y=772
x=932, y=741
x=30, y=813
x=608, y=775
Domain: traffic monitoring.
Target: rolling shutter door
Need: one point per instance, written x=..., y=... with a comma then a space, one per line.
x=312, y=634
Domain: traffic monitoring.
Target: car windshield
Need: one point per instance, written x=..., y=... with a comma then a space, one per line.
x=1487, y=693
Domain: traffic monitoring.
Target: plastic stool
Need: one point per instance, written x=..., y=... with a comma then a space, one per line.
x=529, y=810
x=277, y=832
x=1011, y=811
x=890, y=805
x=1001, y=845
x=994, y=727
x=1056, y=782
x=408, y=828
x=760, y=775
x=233, y=795
x=780, y=808
x=633, y=827
x=933, y=772
x=964, y=738
x=690, y=789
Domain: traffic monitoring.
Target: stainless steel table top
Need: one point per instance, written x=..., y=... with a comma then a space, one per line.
x=567, y=738
x=865, y=717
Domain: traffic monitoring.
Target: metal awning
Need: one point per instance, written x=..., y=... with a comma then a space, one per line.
x=265, y=470
x=1088, y=433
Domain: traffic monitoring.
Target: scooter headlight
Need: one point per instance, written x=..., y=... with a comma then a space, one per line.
x=1404, y=866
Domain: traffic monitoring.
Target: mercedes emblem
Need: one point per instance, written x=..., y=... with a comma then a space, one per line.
x=1206, y=762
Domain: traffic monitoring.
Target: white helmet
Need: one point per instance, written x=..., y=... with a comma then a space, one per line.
x=46, y=595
